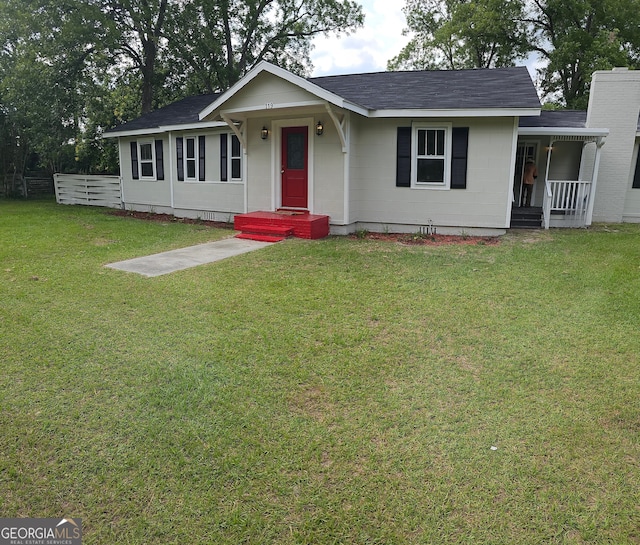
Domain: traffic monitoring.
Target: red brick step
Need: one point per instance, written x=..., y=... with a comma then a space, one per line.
x=276, y=230
x=260, y=238
x=302, y=224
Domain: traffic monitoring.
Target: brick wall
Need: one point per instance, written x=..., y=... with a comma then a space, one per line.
x=614, y=103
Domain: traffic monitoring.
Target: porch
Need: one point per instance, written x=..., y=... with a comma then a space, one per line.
x=278, y=225
x=568, y=158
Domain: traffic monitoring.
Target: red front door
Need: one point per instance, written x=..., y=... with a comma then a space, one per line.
x=295, y=177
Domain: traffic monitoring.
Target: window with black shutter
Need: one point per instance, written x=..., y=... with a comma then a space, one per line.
x=180, y=158
x=223, y=158
x=134, y=160
x=403, y=157
x=159, y=160
x=459, y=149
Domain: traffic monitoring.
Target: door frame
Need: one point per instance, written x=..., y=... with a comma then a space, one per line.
x=524, y=143
x=276, y=159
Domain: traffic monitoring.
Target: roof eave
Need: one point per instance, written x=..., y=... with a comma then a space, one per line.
x=148, y=131
x=562, y=131
x=451, y=112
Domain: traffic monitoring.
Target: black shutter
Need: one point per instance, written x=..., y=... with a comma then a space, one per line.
x=403, y=157
x=134, y=160
x=636, y=176
x=159, y=161
x=201, y=152
x=180, y=158
x=223, y=158
x=459, y=149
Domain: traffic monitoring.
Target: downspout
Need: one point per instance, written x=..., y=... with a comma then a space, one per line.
x=512, y=171
x=596, y=168
x=245, y=180
x=171, y=171
x=122, y=204
x=347, y=173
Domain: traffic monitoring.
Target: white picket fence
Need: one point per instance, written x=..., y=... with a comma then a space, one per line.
x=88, y=190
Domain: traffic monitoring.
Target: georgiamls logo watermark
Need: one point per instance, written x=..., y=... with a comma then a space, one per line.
x=66, y=531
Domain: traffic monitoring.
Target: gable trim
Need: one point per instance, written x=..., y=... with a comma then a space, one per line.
x=166, y=128
x=264, y=66
x=272, y=107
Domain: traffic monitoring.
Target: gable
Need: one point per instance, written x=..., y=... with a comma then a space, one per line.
x=268, y=91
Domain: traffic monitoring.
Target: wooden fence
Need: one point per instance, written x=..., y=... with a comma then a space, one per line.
x=88, y=190
x=31, y=184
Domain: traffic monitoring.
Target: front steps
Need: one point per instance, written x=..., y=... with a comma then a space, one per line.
x=276, y=226
x=526, y=217
x=265, y=233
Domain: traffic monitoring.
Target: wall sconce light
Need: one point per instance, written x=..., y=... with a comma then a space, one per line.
x=264, y=133
x=319, y=128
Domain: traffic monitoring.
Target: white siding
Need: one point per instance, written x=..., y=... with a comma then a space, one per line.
x=183, y=198
x=151, y=193
x=267, y=89
x=565, y=161
x=375, y=197
x=326, y=161
x=260, y=169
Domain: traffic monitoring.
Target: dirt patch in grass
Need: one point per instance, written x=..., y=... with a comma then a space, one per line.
x=430, y=240
x=168, y=218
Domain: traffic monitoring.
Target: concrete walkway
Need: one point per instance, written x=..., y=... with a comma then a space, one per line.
x=184, y=258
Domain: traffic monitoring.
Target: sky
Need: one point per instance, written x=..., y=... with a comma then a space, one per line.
x=370, y=47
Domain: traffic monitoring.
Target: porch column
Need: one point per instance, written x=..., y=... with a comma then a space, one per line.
x=546, y=200
x=594, y=180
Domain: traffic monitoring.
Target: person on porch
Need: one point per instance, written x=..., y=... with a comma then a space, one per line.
x=528, y=179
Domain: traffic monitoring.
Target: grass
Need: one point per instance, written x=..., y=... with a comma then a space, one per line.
x=333, y=391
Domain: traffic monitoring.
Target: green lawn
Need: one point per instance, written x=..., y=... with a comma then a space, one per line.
x=321, y=392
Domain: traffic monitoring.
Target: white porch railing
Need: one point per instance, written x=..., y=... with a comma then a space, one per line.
x=567, y=198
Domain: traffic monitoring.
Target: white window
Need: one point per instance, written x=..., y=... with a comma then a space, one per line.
x=235, y=159
x=431, y=156
x=190, y=158
x=230, y=157
x=147, y=160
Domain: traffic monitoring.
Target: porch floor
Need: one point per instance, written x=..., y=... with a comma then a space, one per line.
x=281, y=224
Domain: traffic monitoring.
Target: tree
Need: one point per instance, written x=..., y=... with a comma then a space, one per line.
x=215, y=42
x=44, y=74
x=137, y=37
x=456, y=34
x=71, y=68
x=577, y=37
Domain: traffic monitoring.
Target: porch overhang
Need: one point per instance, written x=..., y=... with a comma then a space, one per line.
x=565, y=133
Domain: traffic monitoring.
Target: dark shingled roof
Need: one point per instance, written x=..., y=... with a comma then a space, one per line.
x=436, y=90
x=557, y=119
x=417, y=90
x=183, y=112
